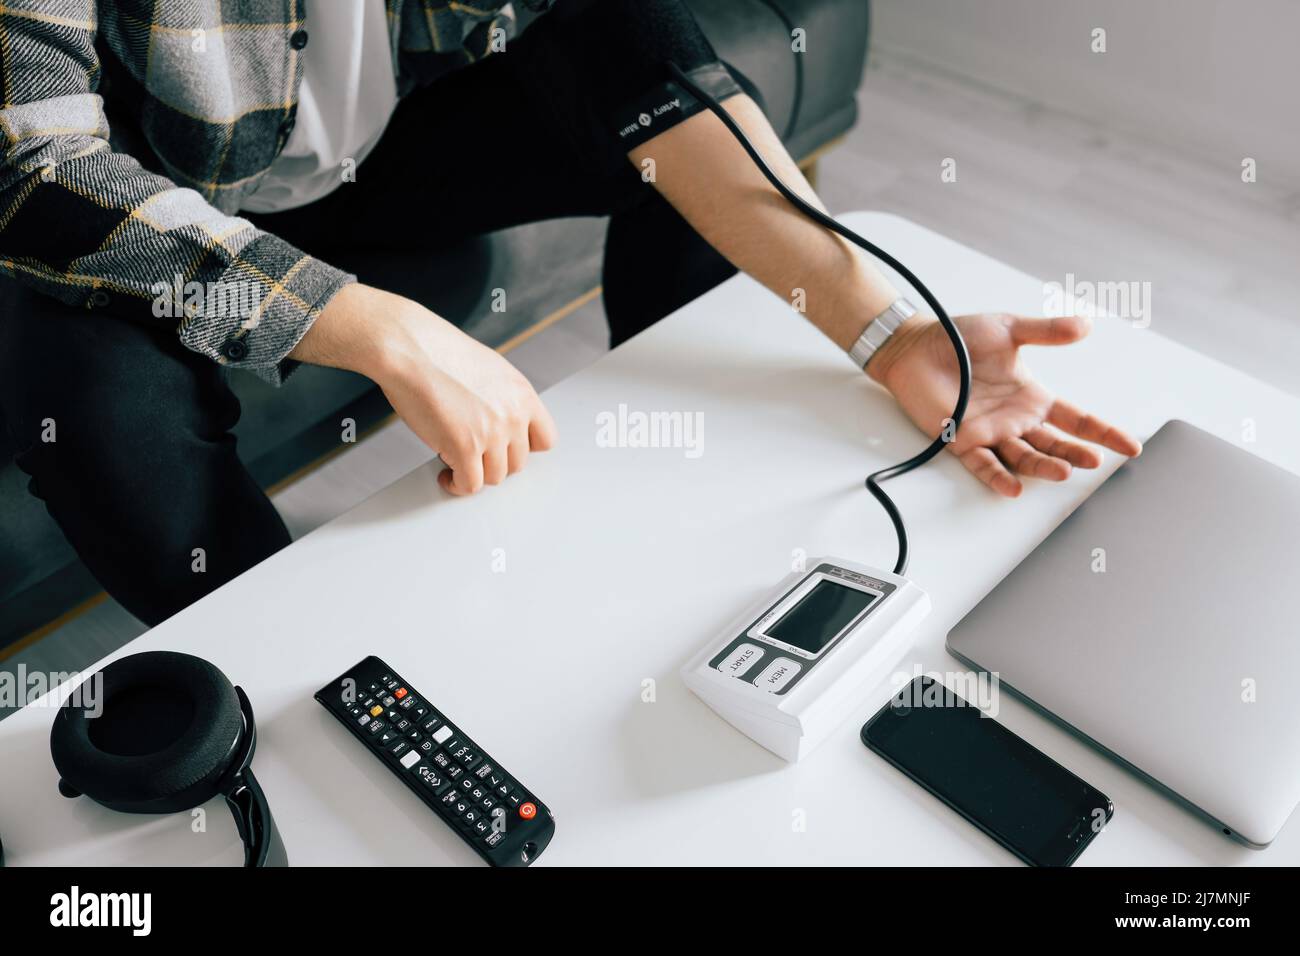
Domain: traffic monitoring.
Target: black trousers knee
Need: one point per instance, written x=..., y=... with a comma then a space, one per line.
x=125, y=435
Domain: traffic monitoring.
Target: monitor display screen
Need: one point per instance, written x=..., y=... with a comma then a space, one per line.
x=819, y=615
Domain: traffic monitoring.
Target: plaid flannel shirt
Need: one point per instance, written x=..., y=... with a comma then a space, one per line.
x=212, y=87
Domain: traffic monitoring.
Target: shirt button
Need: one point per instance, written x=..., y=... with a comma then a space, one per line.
x=298, y=40
x=236, y=350
x=99, y=299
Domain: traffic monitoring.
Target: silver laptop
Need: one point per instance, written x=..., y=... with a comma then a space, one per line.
x=1161, y=622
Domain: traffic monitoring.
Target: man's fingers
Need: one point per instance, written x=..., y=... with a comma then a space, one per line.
x=467, y=471
x=984, y=465
x=1050, y=443
x=462, y=478
x=541, y=430
x=1024, y=459
x=495, y=463
x=517, y=455
x=1070, y=419
x=1028, y=330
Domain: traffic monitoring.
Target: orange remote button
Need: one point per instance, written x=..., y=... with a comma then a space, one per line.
x=399, y=693
x=527, y=810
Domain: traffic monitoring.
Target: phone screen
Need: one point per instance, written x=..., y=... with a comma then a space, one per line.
x=1012, y=791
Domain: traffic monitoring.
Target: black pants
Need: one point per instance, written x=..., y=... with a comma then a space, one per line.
x=144, y=469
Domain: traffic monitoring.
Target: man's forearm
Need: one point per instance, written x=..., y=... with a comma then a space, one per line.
x=706, y=175
x=460, y=397
x=355, y=330
x=708, y=178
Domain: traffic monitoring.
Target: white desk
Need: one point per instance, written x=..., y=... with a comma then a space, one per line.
x=619, y=563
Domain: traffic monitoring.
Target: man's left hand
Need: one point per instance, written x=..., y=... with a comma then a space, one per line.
x=1013, y=425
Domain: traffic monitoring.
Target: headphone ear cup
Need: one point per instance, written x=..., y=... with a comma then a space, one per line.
x=157, y=736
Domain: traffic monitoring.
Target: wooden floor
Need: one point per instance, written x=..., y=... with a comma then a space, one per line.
x=1037, y=188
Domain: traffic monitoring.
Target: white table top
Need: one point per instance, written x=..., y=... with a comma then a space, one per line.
x=619, y=563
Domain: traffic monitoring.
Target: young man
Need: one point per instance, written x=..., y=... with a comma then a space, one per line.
x=232, y=125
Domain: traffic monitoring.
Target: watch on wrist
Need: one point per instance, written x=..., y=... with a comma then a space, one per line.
x=878, y=332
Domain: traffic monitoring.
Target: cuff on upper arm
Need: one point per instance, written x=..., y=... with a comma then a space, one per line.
x=666, y=104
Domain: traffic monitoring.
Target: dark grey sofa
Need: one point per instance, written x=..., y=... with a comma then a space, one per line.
x=810, y=100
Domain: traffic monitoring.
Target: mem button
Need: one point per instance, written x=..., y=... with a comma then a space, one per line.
x=235, y=349
x=778, y=674
x=298, y=40
x=99, y=299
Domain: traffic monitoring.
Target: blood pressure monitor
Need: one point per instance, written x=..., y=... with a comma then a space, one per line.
x=794, y=664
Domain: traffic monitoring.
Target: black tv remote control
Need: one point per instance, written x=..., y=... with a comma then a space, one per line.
x=499, y=818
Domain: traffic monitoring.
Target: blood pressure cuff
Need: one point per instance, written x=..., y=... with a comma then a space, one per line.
x=666, y=104
x=598, y=70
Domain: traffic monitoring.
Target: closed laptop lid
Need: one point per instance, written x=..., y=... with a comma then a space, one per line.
x=1160, y=622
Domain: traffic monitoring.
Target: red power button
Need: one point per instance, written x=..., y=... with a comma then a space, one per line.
x=527, y=810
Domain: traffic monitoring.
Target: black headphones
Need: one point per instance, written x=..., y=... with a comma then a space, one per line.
x=171, y=734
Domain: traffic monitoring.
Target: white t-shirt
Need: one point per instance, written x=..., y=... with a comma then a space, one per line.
x=347, y=96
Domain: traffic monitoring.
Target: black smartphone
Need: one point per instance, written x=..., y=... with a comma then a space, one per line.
x=1011, y=790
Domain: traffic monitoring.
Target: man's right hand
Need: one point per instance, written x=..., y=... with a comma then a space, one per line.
x=464, y=400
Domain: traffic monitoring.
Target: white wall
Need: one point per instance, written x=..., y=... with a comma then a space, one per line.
x=1218, y=78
